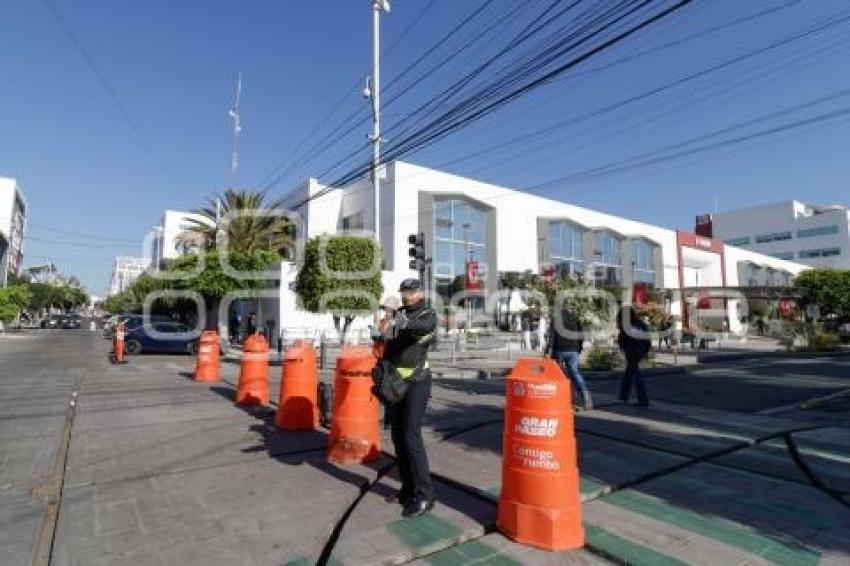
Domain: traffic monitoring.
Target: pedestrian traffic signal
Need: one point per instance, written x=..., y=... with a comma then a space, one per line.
x=416, y=251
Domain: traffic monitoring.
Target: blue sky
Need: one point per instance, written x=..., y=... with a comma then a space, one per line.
x=106, y=131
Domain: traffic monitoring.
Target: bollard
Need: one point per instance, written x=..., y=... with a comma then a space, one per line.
x=355, y=434
x=117, y=355
x=298, y=405
x=208, y=365
x=254, y=374
x=539, y=504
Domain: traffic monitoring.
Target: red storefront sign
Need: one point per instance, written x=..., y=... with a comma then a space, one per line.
x=473, y=278
x=787, y=307
x=640, y=294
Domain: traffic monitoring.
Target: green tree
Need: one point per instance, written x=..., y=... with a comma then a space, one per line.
x=828, y=289
x=590, y=309
x=118, y=303
x=212, y=283
x=322, y=291
x=251, y=224
x=13, y=300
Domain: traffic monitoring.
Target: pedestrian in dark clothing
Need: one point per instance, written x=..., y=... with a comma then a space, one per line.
x=664, y=332
x=564, y=344
x=233, y=327
x=252, y=324
x=406, y=348
x=634, y=341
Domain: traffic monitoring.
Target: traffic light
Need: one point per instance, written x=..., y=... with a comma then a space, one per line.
x=416, y=251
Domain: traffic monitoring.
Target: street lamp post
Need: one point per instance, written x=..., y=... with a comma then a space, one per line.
x=467, y=257
x=374, y=93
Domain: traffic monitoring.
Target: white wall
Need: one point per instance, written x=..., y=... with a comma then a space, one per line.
x=8, y=188
x=173, y=224
x=295, y=322
x=516, y=218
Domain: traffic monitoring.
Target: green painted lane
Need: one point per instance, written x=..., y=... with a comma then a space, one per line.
x=472, y=553
x=722, y=530
x=613, y=546
x=422, y=532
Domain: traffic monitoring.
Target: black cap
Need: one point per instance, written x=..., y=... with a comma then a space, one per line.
x=410, y=285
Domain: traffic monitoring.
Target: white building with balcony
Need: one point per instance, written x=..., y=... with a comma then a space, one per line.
x=818, y=236
x=13, y=219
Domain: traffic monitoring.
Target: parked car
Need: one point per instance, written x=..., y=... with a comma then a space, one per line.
x=72, y=321
x=130, y=321
x=165, y=338
x=52, y=321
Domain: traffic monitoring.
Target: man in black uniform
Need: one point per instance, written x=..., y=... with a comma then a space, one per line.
x=408, y=339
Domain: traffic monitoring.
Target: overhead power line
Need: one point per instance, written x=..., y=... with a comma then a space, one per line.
x=84, y=235
x=638, y=162
x=525, y=80
x=287, y=166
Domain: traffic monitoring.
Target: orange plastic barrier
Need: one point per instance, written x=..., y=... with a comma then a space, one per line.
x=118, y=345
x=298, y=408
x=207, y=367
x=539, y=504
x=355, y=433
x=254, y=374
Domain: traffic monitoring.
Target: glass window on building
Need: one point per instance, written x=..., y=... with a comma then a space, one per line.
x=783, y=255
x=742, y=241
x=830, y=252
x=775, y=237
x=353, y=221
x=820, y=231
x=607, y=259
x=460, y=229
x=809, y=254
x=565, y=242
x=754, y=275
x=643, y=262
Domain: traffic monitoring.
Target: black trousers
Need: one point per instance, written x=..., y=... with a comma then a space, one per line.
x=411, y=458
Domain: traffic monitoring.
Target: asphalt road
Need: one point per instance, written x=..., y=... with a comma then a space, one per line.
x=748, y=385
x=134, y=469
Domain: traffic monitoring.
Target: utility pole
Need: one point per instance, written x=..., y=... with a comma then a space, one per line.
x=373, y=92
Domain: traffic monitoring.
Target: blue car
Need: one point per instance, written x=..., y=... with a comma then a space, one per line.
x=161, y=338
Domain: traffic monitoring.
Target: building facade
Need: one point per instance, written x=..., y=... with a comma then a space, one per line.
x=165, y=243
x=13, y=218
x=46, y=273
x=125, y=271
x=505, y=230
x=818, y=236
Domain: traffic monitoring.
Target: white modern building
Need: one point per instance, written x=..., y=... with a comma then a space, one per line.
x=165, y=245
x=125, y=271
x=46, y=273
x=818, y=236
x=502, y=229
x=13, y=218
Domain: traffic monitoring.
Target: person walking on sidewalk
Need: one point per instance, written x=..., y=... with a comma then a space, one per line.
x=564, y=345
x=634, y=341
x=408, y=338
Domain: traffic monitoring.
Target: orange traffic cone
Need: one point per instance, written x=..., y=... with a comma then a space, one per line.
x=254, y=374
x=355, y=433
x=118, y=345
x=540, y=504
x=207, y=367
x=298, y=407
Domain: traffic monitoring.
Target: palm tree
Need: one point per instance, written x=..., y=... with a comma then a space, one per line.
x=248, y=224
